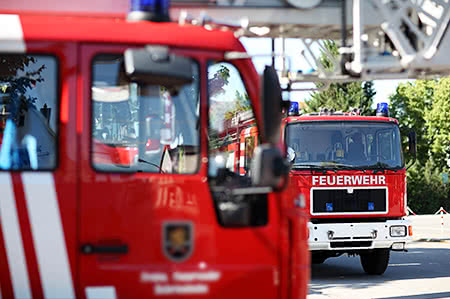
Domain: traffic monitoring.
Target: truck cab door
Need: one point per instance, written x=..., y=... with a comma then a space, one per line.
x=148, y=220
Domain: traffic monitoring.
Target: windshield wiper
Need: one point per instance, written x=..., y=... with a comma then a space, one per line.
x=312, y=167
x=332, y=166
x=337, y=165
x=379, y=167
x=150, y=163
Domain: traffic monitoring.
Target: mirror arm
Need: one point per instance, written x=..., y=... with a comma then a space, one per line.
x=412, y=144
x=282, y=168
x=284, y=183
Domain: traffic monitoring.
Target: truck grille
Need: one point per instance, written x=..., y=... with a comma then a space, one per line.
x=330, y=201
x=349, y=244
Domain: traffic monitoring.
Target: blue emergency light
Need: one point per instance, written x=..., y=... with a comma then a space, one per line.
x=293, y=109
x=382, y=109
x=149, y=10
x=329, y=207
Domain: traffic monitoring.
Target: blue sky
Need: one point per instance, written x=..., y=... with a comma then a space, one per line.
x=262, y=46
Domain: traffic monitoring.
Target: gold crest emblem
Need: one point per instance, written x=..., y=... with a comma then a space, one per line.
x=178, y=240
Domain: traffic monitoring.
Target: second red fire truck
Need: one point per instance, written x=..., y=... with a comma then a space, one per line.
x=350, y=170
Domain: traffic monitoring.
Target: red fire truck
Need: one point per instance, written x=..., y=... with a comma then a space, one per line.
x=239, y=140
x=112, y=175
x=350, y=171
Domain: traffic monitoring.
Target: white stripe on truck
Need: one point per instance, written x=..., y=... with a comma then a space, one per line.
x=11, y=34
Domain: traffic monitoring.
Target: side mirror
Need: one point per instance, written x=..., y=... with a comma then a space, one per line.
x=272, y=106
x=155, y=65
x=412, y=143
x=269, y=167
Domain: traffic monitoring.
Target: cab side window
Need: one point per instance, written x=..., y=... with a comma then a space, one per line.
x=28, y=112
x=233, y=138
x=232, y=127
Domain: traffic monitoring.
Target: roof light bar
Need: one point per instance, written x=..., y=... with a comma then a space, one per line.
x=149, y=10
x=293, y=109
x=382, y=109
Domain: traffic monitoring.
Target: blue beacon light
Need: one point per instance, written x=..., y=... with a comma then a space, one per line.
x=382, y=109
x=329, y=206
x=293, y=109
x=149, y=10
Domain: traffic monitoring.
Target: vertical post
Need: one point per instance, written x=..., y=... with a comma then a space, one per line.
x=283, y=53
x=442, y=222
x=344, y=23
x=357, y=32
x=273, y=52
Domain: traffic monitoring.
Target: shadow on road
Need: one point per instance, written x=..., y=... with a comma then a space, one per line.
x=423, y=296
x=417, y=263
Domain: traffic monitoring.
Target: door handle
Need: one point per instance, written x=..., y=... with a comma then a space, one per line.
x=104, y=249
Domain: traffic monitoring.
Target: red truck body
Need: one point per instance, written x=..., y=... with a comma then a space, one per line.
x=352, y=203
x=73, y=229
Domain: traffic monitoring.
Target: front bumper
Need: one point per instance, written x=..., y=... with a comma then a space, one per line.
x=356, y=236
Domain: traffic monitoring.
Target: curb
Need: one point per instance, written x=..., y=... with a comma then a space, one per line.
x=440, y=240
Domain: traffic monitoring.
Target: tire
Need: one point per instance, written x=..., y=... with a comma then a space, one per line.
x=376, y=261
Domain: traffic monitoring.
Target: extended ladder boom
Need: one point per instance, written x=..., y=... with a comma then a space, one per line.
x=381, y=39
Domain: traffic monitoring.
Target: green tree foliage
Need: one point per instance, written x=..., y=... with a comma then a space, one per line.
x=426, y=192
x=216, y=86
x=217, y=83
x=16, y=78
x=342, y=96
x=438, y=124
x=409, y=105
x=241, y=104
x=424, y=106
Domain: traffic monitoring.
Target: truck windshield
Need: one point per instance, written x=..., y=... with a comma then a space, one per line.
x=345, y=144
x=142, y=128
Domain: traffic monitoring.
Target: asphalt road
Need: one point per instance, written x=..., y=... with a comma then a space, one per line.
x=421, y=273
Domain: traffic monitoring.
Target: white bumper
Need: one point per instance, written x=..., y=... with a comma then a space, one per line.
x=354, y=236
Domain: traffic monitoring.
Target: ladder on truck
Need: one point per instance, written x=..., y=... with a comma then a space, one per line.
x=378, y=39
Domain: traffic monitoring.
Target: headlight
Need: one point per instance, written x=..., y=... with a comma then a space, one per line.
x=398, y=231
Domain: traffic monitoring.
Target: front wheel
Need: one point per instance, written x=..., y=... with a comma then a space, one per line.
x=375, y=262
